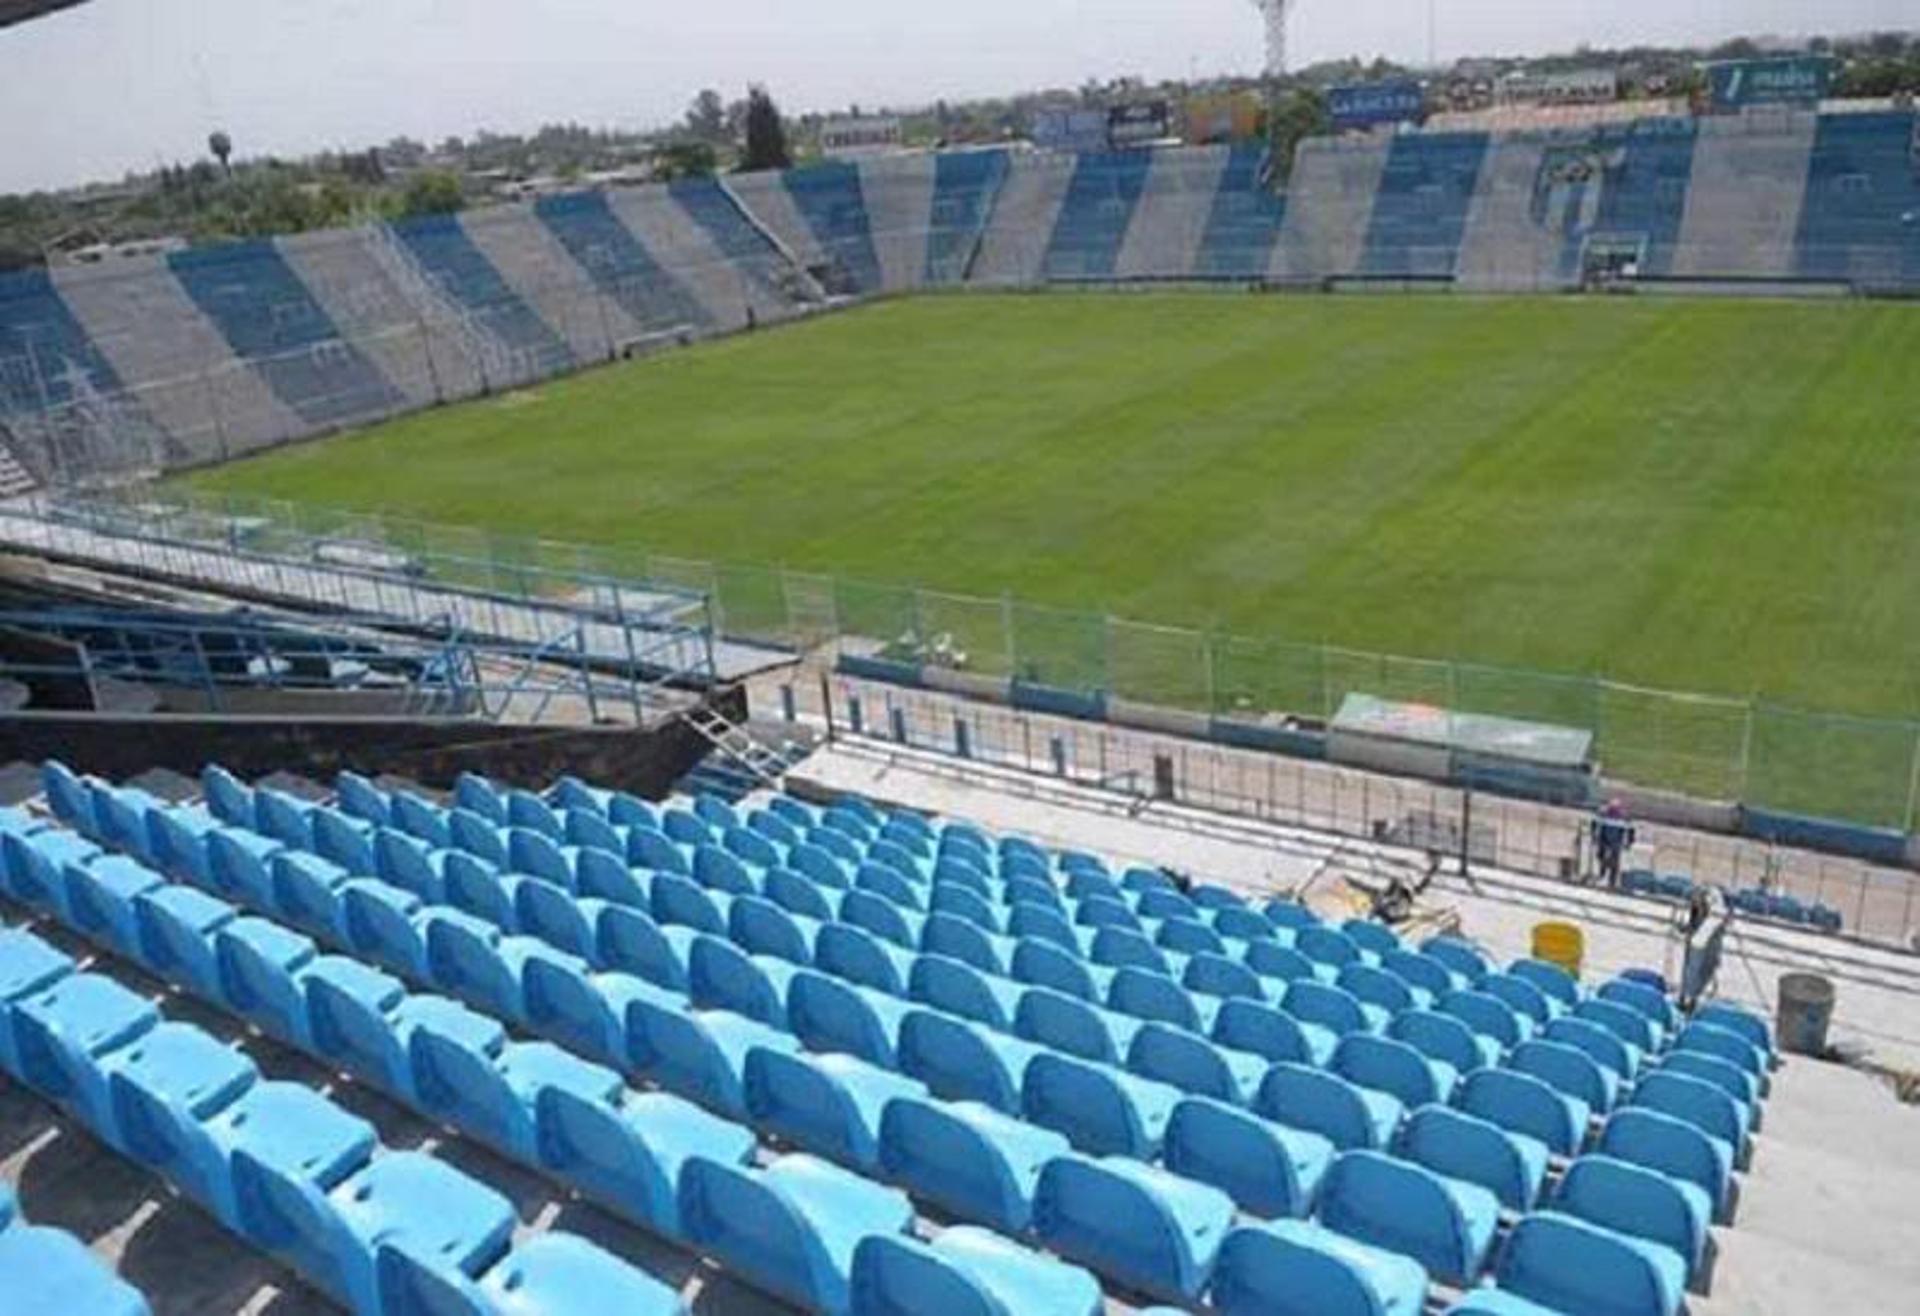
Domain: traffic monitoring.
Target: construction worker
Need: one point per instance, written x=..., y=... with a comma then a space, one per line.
x=1613, y=836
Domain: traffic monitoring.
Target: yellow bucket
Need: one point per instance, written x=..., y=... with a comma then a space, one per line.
x=1563, y=944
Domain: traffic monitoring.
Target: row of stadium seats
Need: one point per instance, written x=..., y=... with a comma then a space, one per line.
x=49, y=1271
x=1748, y=900
x=767, y=1065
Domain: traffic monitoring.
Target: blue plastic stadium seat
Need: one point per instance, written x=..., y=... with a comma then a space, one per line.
x=62, y=1036
x=721, y=976
x=1266, y=1168
x=1190, y=1062
x=1328, y=946
x=476, y=794
x=493, y=1097
x=1444, y=1224
x=175, y=1065
x=1291, y=914
x=66, y=1278
x=968, y=1158
x=826, y=1104
x=1030, y=922
x=1382, y=988
x=420, y=819
x=1489, y=1016
x=1569, y=1070
x=364, y=1023
x=1624, y=1022
x=1600, y=1044
x=966, y=1272
x=791, y=1228
x=262, y=970
x=1521, y=1103
x=1461, y=957
x=1372, y=937
x=961, y=899
x=700, y=1054
x=1704, y=1105
x=177, y=926
x=287, y=1125
x=1431, y=975
x=1148, y=1229
x=97, y=901
x=630, y=941
x=28, y=967
x=35, y=862
x=332, y=1236
x=1639, y=996
x=282, y=817
x=237, y=867
x=1641, y=1203
x=1511, y=1166
x=1395, y=1068
x=1155, y=996
x=829, y=1014
x=307, y=893
x=1294, y=1268
x=1724, y=1074
x=628, y=1153
x=556, y=916
x=1738, y=1019
x=1217, y=976
x=1444, y=1038
x=1728, y=1045
x=1522, y=996
x=1568, y=1265
x=1102, y=1111
x=961, y=1060
x=1676, y=1149
x=551, y=1275
x=1332, y=1008
x=1283, y=964
x=1073, y=1026
x=70, y=796
x=961, y=989
x=122, y=818
x=1348, y=1116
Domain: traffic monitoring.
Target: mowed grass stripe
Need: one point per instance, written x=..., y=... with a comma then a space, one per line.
x=1709, y=495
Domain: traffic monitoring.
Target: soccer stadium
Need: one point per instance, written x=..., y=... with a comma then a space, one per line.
x=1014, y=728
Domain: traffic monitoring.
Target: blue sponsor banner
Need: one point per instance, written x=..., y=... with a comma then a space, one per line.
x=1372, y=103
x=1792, y=80
x=1070, y=130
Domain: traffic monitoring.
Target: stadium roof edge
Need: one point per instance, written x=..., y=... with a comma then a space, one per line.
x=19, y=11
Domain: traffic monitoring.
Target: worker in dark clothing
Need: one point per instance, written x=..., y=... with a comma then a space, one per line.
x=1613, y=836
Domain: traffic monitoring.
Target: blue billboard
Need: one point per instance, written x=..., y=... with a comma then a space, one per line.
x=1069, y=130
x=1791, y=80
x=1368, y=104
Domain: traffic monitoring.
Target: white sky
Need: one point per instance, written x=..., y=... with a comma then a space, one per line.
x=120, y=84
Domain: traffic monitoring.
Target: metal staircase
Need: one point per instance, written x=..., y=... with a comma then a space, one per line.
x=737, y=764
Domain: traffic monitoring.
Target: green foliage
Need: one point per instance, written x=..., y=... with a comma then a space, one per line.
x=686, y=160
x=432, y=192
x=1709, y=495
x=707, y=119
x=1298, y=115
x=766, y=134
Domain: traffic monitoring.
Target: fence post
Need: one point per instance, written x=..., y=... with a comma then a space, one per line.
x=1913, y=784
x=1746, y=756
x=1006, y=636
x=1208, y=679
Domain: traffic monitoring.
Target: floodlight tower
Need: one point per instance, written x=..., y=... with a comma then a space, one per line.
x=1275, y=12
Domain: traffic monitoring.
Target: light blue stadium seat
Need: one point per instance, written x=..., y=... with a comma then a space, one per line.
x=66, y=1278
x=722, y=976
x=122, y=818
x=227, y=797
x=1291, y=914
x=1154, y=996
x=404, y=1199
x=62, y=1036
x=1384, y=989
x=1280, y=962
x=1624, y=1022
x=800, y=895
x=1570, y=1070
x=288, y=1125
x=830, y=1105
x=307, y=893
x=1029, y=918
x=1148, y=1229
x=1704, y=1105
x=28, y=967
x=262, y=970
x=1045, y=963
x=944, y=934
x=178, y=842
x=176, y=927
x=70, y=796
x=960, y=988
x=1511, y=1166
x=1639, y=996
x=1188, y=1061
x=961, y=1060
x=1521, y=1103
x=1447, y=1225
x=791, y=1228
x=553, y=1274
x=1568, y=1265
x=1713, y=1040
x=346, y=841
x=421, y=820
x=657, y=851
x=1073, y=1026
x=1444, y=1038
x=700, y=1054
x=1461, y=957
x=97, y=901
x=680, y=900
x=1490, y=1017
x=1739, y=1019
x=1373, y=937
x=628, y=1153
x=476, y=794
x=968, y=1158
x=481, y=837
x=237, y=867
x=1676, y=1149
x=408, y=863
x=884, y=919
x=1523, y=996
x=966, y=1272
x=358, y=797
x=556, y=916
x=176, y=1066
x=283, y=818
x=1102, y=1111
x=892, y=885
x=1348, y=1116
x=1396, y=1068
x=493, y=1096
x=1641, y=1203
x=1294, y=1268
x=1271, y=1032
x=1724, y=1074
x=1239, y=923
x=364, y=1022
x=628, y=940
x=1338, y=1011
x=1601, y=1045
x=828, y=1014
x=1266, y=1168
x=475, y=886
x=1117, y=947
x=961, y=897
x=1329, y=946
x=1214, y=975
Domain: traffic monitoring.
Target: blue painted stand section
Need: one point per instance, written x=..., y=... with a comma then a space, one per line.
x=617, y=261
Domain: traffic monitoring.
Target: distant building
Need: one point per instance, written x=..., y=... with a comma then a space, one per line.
x=104, y=253
x=853, y=136
x=1575, y=87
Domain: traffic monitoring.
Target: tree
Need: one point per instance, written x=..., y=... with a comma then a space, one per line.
x=707, y=118
x=433, y=192
x=1298, y=115
x=766, y=134
x=222, y=147
x=685, y=160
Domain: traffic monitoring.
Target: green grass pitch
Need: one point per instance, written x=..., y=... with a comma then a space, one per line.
x=1720, y=496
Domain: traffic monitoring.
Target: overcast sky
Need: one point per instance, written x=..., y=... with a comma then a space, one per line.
x=120, y=84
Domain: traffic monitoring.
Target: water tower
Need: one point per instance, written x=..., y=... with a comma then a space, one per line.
x=1275, y=12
